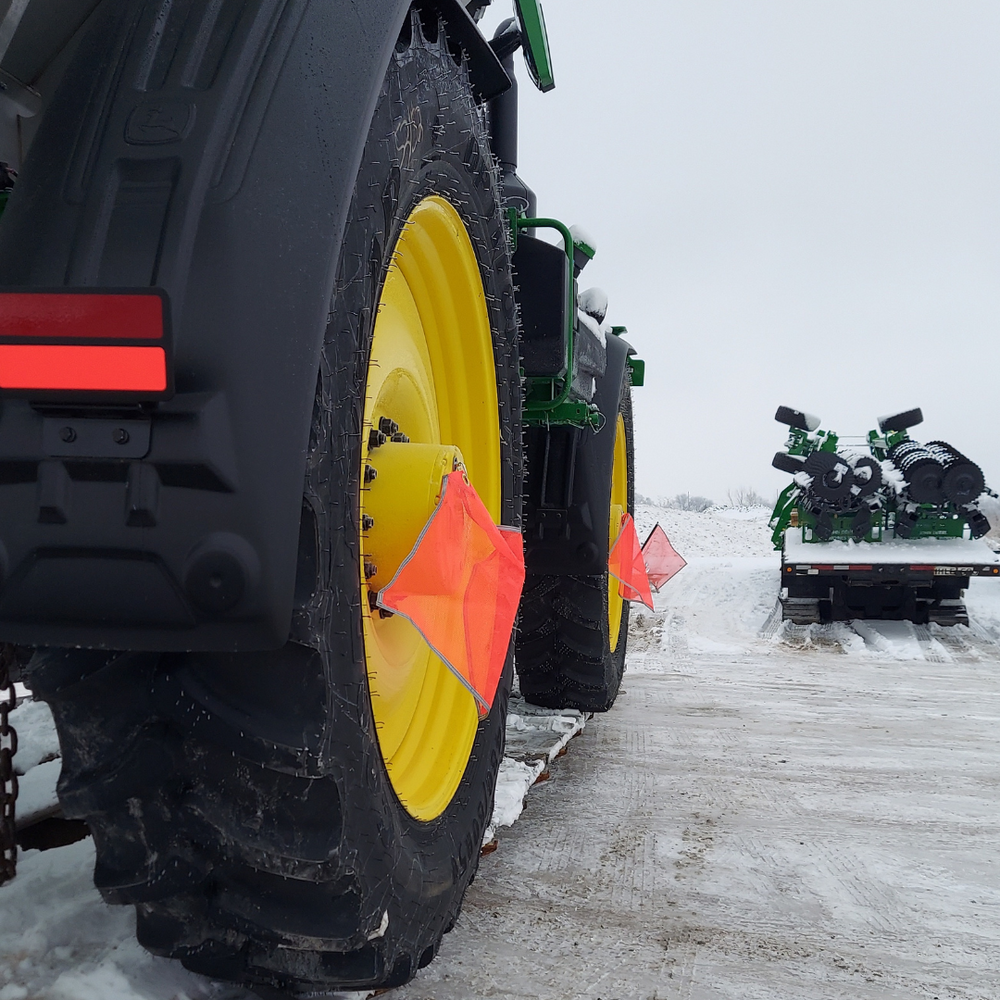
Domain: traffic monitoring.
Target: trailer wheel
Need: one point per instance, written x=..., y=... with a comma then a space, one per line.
x=309, y=819
x=574, y=629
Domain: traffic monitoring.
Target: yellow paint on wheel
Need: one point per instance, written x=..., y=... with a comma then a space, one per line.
x=432, y=372
x=619, y=506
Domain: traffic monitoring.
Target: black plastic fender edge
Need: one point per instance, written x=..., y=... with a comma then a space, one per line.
x=486, y=73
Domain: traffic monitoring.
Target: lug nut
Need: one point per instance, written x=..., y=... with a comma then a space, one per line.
x=67, y=434
x=367, y=522
x=370, y=569
x=371, y=474
x=376, y=439
x=373, y=606
x=387, y=427
x=400, y=438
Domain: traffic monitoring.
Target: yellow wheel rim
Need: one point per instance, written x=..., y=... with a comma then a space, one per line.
x=619, y=505
x=432, y=373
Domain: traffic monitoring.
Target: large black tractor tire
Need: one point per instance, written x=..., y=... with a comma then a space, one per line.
x=241, y=801
x=566, y=654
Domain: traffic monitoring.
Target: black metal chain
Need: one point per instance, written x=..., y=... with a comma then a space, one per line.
x=8, y=779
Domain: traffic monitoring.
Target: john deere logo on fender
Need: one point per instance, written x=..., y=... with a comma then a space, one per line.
x=162, y=122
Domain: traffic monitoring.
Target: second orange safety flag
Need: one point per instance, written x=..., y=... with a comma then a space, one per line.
x=662, y=560
x=460, y=587
x=627, y=566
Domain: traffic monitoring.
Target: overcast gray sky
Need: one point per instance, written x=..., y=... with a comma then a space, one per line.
x=795, y=202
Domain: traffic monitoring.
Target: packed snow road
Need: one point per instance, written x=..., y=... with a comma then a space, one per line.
x=768, y=812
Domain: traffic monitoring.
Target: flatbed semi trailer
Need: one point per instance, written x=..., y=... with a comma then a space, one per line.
x=922, y=580
x=879, y=527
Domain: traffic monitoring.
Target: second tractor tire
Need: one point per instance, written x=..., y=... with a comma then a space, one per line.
x=569, y=652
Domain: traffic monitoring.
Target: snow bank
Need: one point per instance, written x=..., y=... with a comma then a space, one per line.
x=535, y=737
x=36, y=762
x=719, y=531
x=36, y=796
x=37, y=739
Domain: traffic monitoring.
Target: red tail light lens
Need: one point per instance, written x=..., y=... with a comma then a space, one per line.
x=101, y=345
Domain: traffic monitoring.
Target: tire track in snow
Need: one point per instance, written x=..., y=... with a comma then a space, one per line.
x=978, y=642
x=956, y=643
x=880, y=906
x=681, y=974
x=679, y=654
x=934, y=651
x=628, y=865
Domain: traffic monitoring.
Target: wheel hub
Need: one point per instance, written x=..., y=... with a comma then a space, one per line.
x=403, y=470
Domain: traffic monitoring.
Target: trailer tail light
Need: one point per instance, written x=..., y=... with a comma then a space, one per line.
x=101, y=345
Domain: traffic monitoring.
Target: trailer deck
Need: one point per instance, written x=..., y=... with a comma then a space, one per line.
x=922, y=580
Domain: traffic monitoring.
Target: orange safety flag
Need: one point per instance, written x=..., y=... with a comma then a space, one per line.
x=626, y=565
x=460, y=588
x=662, y=559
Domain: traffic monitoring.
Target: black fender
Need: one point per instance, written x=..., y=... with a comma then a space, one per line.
x=211, y=151
x=568, y=491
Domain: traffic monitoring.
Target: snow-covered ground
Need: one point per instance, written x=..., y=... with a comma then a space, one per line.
x=59, y=941
x=769, y=812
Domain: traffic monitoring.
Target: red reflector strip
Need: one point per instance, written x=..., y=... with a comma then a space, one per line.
x=859, y=567
x=86, y=315
x=921, y=569
x=75, y=368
